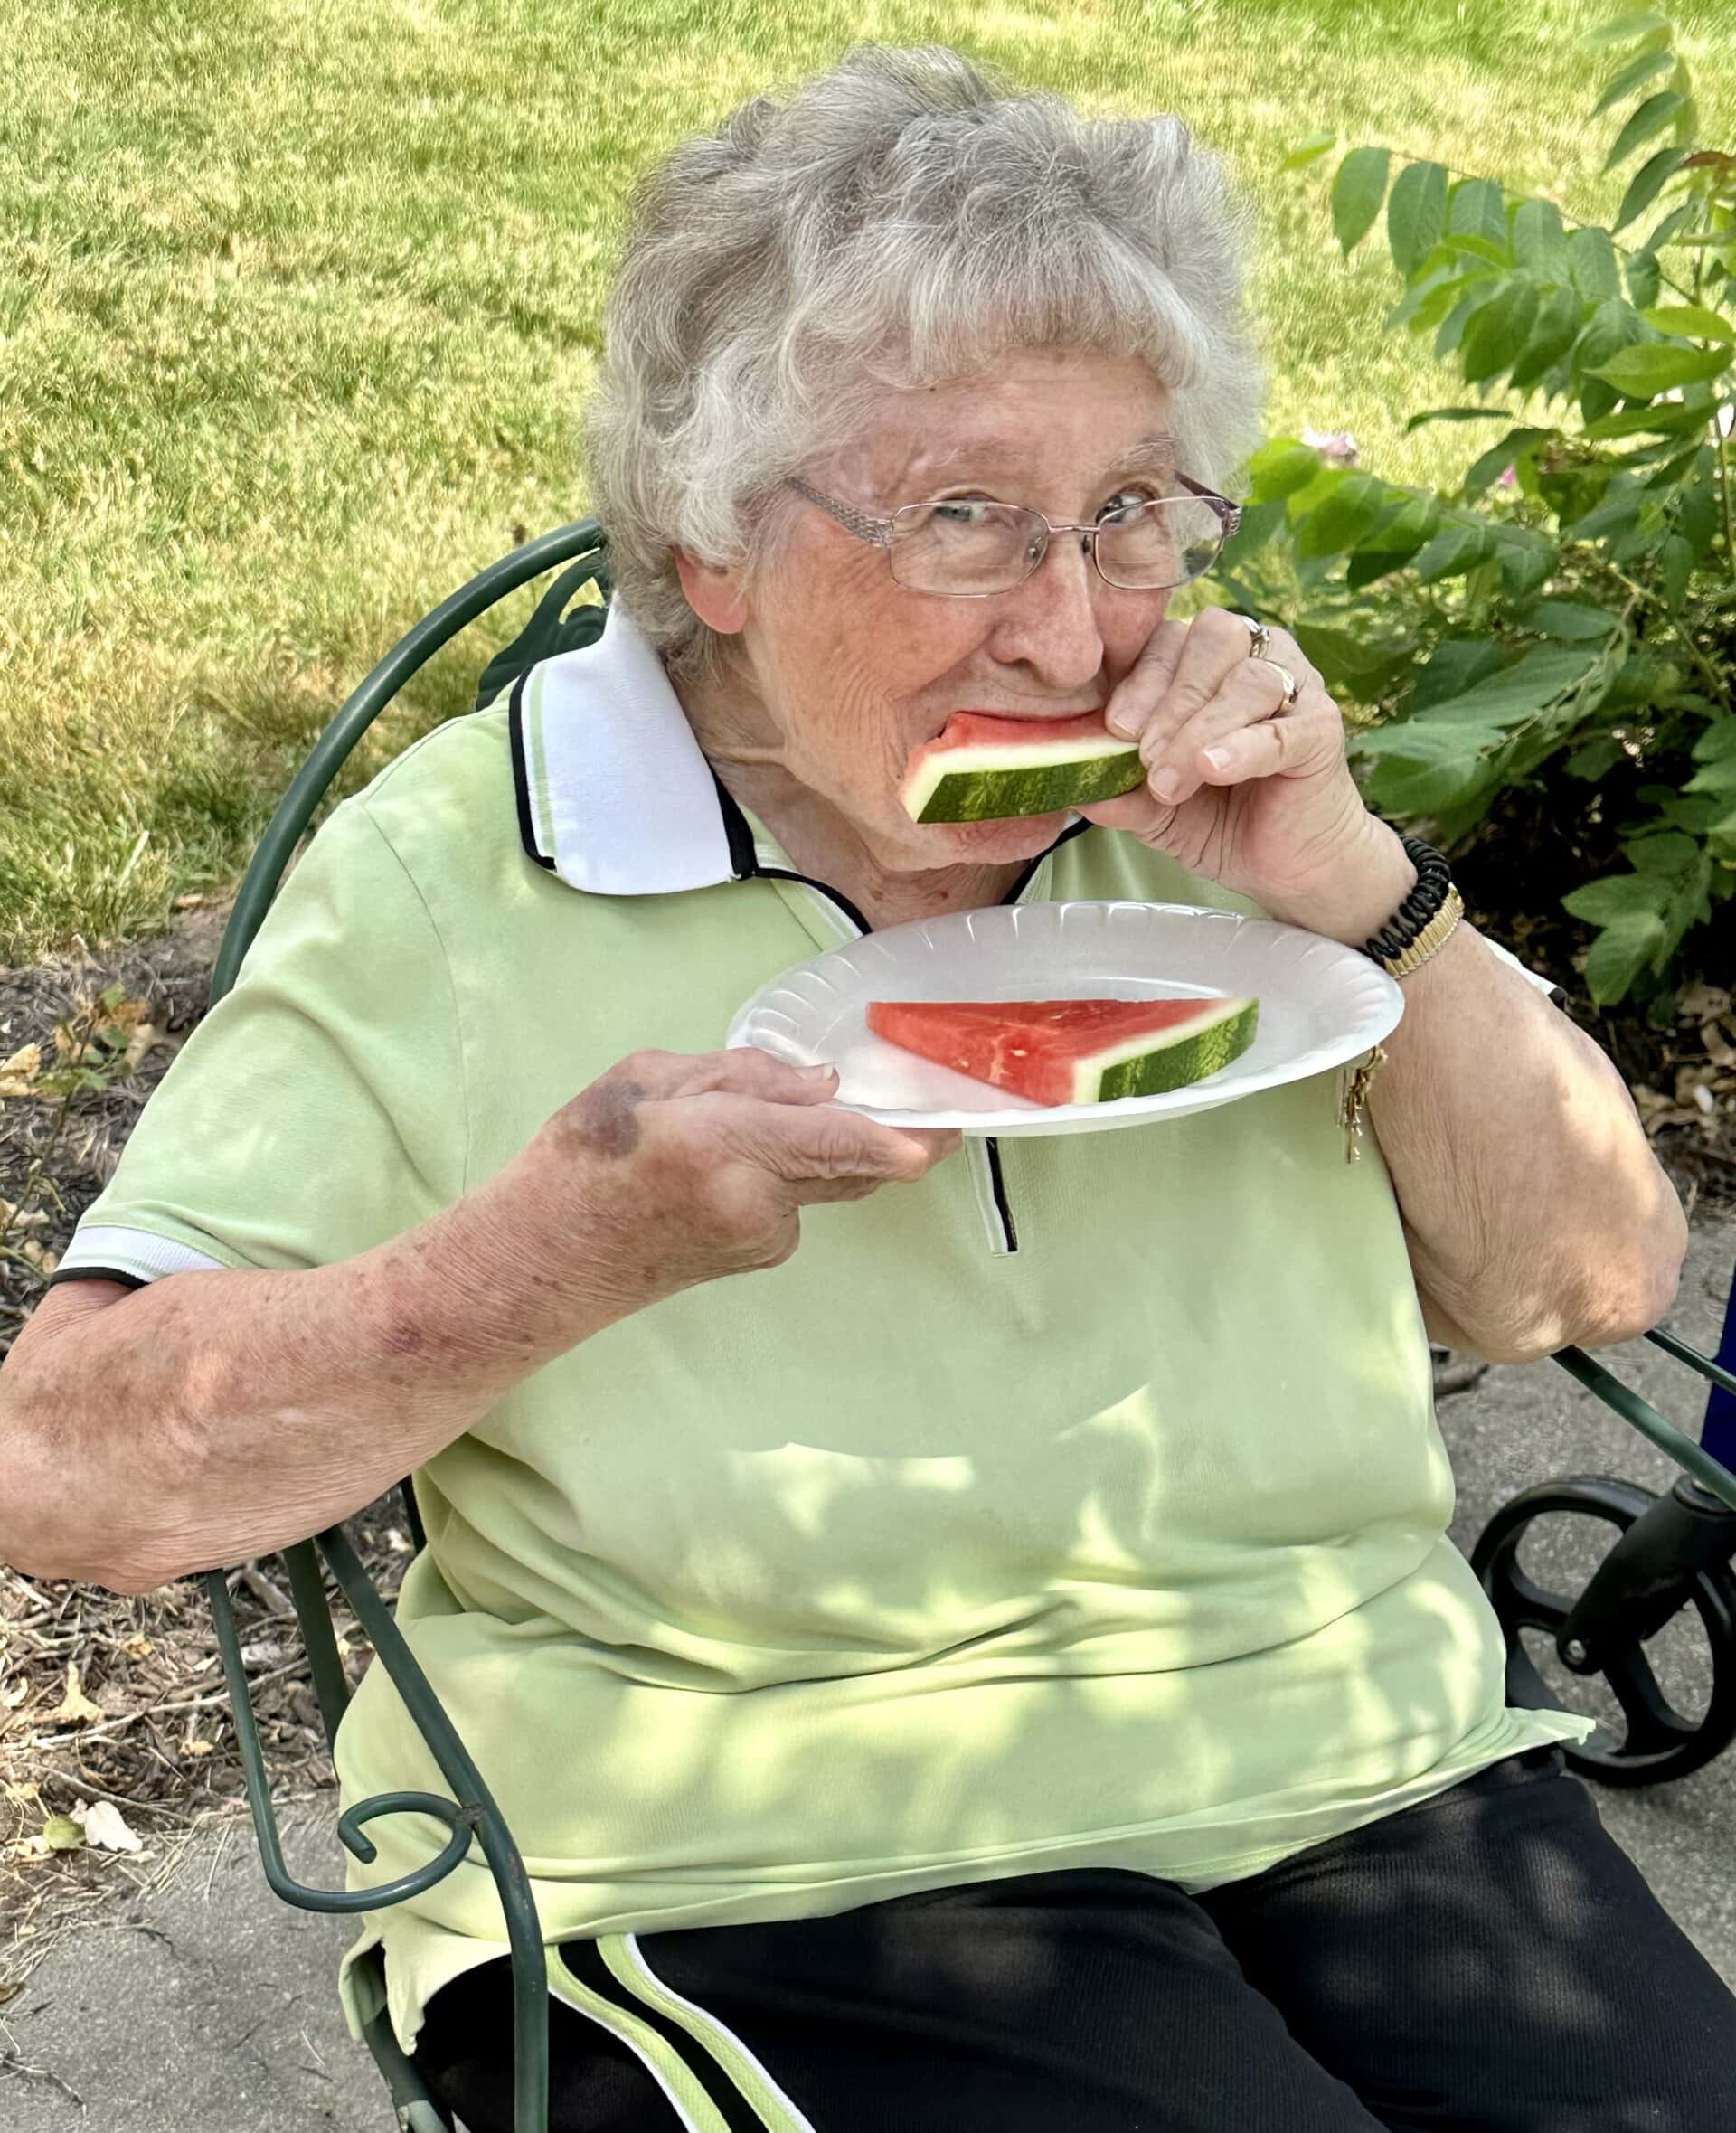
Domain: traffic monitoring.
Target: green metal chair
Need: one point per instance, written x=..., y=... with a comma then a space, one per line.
x=1675, y=1551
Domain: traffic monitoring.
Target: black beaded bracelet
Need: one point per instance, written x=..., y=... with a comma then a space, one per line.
x=1434, y=884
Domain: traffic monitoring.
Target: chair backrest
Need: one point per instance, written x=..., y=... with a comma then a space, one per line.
x=581, y=546
x=470, y=1813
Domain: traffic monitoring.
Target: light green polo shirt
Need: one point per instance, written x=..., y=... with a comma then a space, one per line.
x=920, y=1560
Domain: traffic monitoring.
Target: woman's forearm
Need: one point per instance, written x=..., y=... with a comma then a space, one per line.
x=1536, y=1212
x=215, y=1416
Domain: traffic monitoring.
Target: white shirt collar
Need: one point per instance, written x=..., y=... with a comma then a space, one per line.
x=614, y=793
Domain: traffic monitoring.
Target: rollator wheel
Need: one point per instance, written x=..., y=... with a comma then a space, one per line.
x=1644, y=1737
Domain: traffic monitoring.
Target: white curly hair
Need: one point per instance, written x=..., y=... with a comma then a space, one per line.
x=899, y=220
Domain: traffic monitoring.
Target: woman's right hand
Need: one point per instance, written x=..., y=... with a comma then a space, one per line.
x=670, y=1170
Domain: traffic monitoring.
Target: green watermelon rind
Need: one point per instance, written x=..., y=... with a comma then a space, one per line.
x=1033, y=789
x=1171, y=1062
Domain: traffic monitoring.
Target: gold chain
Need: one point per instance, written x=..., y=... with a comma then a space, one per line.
x=1355, y=1103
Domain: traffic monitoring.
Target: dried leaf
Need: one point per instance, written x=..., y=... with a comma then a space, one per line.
x=1719, y=1046
x=13, y=1694
x=105, y=1826
x=10, y=1987
x=198, y=1747
x=138, y=1645
x=25, y=1063
x=62, y=1833
x=142, y=1040
x=76, y=1707
x=1699, y=1003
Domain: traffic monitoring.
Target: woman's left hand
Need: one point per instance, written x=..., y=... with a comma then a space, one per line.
x=1246, y=791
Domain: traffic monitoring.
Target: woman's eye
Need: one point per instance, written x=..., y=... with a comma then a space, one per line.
x=1126, y=500
x=961, y=511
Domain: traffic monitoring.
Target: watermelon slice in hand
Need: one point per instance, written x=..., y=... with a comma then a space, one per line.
x=979, y=768
x=1058, y=1052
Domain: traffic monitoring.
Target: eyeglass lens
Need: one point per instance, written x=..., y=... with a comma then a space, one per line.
x=965, y=546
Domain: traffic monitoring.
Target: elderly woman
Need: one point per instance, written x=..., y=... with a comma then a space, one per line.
x=1003, y=1666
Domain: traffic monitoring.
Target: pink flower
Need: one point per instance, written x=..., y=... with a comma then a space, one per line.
x=1337, y=448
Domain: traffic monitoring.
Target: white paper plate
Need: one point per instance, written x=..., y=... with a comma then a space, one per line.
x=1320, y=1003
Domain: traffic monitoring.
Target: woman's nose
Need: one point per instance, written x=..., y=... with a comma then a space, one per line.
x=1050, y=622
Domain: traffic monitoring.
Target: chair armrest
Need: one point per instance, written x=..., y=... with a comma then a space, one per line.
x=1693, y=1459
x=471, y=1813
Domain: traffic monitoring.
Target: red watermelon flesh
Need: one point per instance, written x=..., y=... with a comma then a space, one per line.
x=1061, y=1051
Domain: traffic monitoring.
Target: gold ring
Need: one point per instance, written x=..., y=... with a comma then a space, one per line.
x=1259, y=637
x=1292, y=687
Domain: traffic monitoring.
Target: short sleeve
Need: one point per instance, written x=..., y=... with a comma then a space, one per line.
x=320, y=1108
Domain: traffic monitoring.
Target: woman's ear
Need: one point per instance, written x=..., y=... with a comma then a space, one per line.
x=716, y=592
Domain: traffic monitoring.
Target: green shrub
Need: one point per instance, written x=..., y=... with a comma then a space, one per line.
x=1554, y=642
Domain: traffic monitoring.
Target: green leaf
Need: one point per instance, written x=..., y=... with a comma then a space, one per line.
x=1720, y=777
x=1717, y=744
x=1697, y=507
x=1645, y=277
x=1341, y=520
x=1347, y=659
x=1416, y=215
x=1559, y=319
x=1629, y=78
x=1517, y=692
x=1613, y=516
x=1495, y=337
x=1558, y=327
x=1652, y=116
x=1455, y=550
x=1691, y=322
x=1484, y=250
x=1644, y=372
x=1664, y=857
x=1638, y=25
x=1308, y=150
x=1456, y=665
x=1649, y=181
x=1452, y=330
x=1477, y=207
x=62, y=1834
x=1526, y=558
x=1455, y=415
x=1596, y=759
x=1538, y=240
x=1620, y=953
x=1676, y=220
x=1260, y=522
x=1571, y=621
x=1592, y=262
x=1357, y=193
x=1489, y=465
x=1666, y=418
x=1280, y=467
x=1419, y=768
x=1614, y=898
x=1675, y=567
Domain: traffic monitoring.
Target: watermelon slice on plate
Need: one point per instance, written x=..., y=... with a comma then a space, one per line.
x=1066, y=1052
x=979, y=768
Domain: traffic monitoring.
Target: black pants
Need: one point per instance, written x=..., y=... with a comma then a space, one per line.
x=1488, y=1960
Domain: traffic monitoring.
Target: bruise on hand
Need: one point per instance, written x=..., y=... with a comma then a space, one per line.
x=605, y=1118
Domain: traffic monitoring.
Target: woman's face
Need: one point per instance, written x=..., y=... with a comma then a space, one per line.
x=850, y=671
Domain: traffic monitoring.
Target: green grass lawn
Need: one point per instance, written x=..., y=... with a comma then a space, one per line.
x=298, y=304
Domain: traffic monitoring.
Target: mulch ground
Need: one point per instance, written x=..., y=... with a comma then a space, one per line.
x=120, y=1701
x=102, y=1698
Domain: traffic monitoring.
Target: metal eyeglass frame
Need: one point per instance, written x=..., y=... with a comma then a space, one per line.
x=879, y=532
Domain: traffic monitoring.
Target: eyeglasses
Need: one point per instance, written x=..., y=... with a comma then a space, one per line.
x=967, y=548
